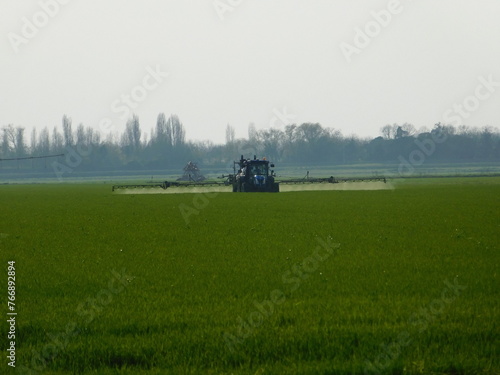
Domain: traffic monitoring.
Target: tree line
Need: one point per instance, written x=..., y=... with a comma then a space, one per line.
x=167, y=147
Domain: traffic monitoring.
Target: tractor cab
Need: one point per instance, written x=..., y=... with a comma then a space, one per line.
x=259, y=168
x=253, y=176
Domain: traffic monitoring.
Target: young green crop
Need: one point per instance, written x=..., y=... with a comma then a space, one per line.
x=256, y=283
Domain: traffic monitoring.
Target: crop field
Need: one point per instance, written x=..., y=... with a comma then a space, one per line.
x=398, y=281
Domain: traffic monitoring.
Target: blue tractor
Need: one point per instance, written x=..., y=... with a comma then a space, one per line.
x=254, y=175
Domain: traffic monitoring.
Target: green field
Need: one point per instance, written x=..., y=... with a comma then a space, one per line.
x=401, y=281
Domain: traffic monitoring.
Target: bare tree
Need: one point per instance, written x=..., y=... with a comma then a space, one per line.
x=8, y=140
x=132, y=135
x=409, y=129
x=92, y=137
x=160, y=134
x=44, y=142
x=20, y=144
x=252, y=132
x=387, y=131
x=57, y=141
x=177, y=130
x=67, y=132
x=230, y=134
x=136, y=132
x=33, y=142
x=80, y=135
x=13, y=141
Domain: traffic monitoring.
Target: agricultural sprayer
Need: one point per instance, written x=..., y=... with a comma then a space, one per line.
x=249, y=175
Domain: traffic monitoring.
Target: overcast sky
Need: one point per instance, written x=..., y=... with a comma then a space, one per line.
x=350, y=65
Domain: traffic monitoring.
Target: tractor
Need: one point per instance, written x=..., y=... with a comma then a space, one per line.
x=254, y=175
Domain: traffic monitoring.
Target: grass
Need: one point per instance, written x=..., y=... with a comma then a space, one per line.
x=110, y=283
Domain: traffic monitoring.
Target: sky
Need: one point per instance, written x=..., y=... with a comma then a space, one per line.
x=351, y=65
